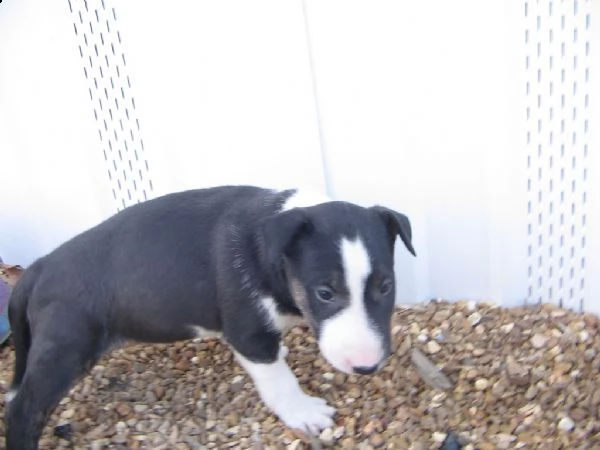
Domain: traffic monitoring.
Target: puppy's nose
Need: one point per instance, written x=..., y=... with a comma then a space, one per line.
x=362, y=370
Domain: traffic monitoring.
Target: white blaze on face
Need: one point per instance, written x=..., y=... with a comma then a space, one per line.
x=348, y=339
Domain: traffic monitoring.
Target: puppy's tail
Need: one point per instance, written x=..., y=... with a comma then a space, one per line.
x=19, y=324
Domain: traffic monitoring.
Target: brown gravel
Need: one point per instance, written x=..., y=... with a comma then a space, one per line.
x=525, y=377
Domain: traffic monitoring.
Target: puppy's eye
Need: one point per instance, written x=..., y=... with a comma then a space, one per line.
x=324, y=294
x=386, y=287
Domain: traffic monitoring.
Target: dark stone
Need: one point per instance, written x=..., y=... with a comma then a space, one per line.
x=452, y=442
x=64, y=431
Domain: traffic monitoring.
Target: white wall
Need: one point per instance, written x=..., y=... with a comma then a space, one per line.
x=52, y=174
x=419, y=106
x=415, y=99
x=225, y=92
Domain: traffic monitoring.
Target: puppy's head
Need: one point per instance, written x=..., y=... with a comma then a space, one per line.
x=338, y=261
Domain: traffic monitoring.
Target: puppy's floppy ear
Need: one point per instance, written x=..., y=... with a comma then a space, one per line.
x=397, y=224
x=277, y=233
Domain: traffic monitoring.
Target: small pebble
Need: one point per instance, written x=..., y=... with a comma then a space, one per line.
x=67, y=414
x=377, y=440
x=583, y=336
x=474, y=319
x=348, y=443
x=481, y=384
x=538, y=340
x=438, y=437
x=295, y=445
x=338, y=432
x=433, y=347
x=478, y=352
x=566, y=424
x=326, y=436
x=124, y=409
x=140, y=409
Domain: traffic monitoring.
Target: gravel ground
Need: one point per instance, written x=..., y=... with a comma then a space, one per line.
x=525, y=377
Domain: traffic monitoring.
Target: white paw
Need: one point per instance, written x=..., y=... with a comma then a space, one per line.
x=279, y=389
x=306, y=413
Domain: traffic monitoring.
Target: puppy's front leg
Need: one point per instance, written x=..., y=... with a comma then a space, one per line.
x=279, y=389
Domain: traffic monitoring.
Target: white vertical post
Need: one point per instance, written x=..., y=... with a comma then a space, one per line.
x=557, y=39
x=592, y=270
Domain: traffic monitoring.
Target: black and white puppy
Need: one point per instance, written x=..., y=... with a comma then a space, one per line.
x=242, y=262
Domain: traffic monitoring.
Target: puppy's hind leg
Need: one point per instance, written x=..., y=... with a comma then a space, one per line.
x=64, y=346
x=19, y=325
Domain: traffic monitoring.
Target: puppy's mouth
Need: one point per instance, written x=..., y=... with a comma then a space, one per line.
x=346, y=366
x=366, y=370
x=349, y=369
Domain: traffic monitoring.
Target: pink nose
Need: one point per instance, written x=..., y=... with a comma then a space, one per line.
x=364, y=360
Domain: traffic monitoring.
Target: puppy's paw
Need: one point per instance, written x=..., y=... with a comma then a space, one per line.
x=306, y=413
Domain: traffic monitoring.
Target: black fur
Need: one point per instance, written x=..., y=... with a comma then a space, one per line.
x=154, y=270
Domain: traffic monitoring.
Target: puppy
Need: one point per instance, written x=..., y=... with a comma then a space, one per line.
x=242, y=262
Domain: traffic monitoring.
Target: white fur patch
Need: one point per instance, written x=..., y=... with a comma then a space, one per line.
x=279, y=322
x=348, y=339
x=203, y=333
x=10, y=395
x=280, y=391
x=304, y=198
